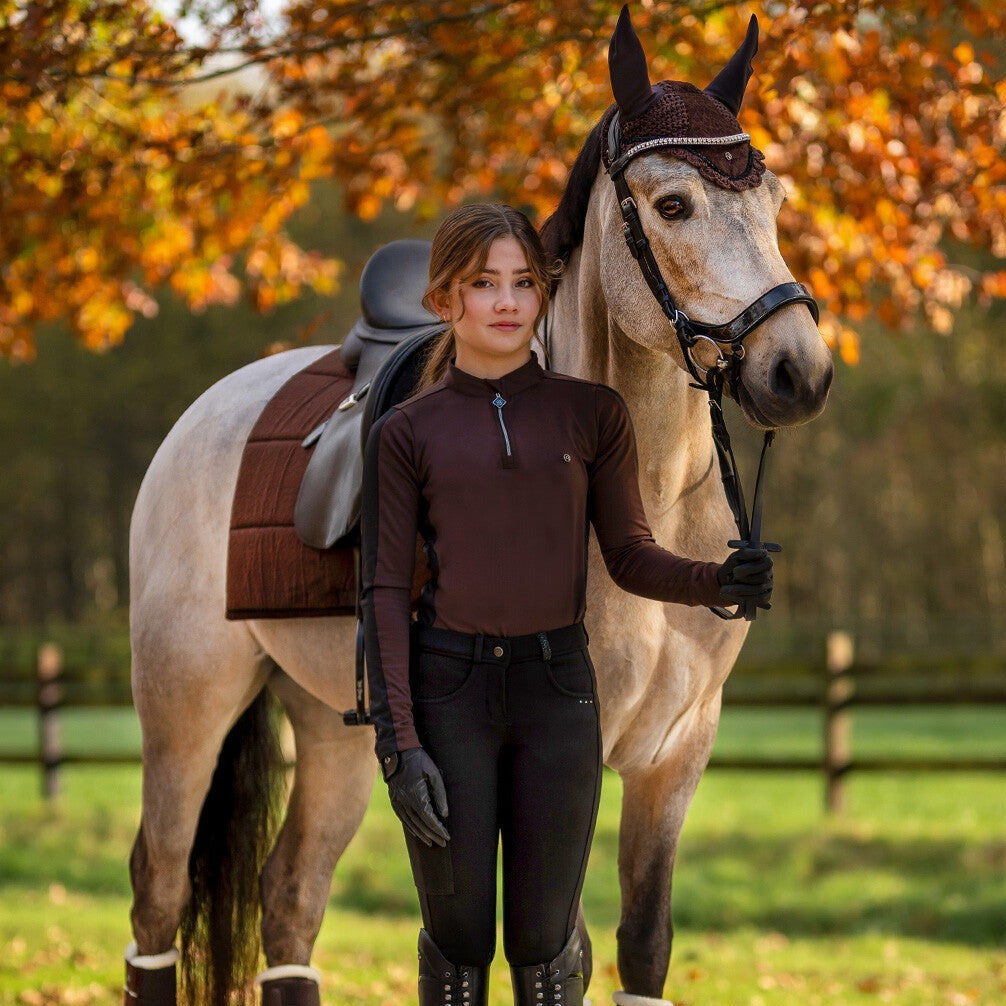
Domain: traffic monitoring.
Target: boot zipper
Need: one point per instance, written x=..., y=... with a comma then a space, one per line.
x=499, y=401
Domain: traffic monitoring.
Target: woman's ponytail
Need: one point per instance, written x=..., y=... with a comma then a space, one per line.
x=440, y=353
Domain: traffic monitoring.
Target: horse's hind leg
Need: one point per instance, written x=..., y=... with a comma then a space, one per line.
x=332, y=783
x=187, y=703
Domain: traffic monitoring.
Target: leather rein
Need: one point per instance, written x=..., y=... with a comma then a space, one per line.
x=728, y=341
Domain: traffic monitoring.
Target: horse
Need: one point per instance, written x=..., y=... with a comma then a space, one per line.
x=201, y=684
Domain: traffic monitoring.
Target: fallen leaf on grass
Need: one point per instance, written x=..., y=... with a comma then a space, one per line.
x=963, y=998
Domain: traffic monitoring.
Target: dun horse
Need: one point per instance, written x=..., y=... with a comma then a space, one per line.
x=200, y=683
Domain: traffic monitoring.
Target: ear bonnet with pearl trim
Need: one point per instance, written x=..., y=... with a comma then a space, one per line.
x=699, y=127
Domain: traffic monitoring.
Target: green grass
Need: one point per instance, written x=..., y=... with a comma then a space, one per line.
x=914, y=731
x=83, y=731
x=901, y=900
x=946, y=732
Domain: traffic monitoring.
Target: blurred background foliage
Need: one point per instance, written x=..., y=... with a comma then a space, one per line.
x=889, y=507
x=135, y=212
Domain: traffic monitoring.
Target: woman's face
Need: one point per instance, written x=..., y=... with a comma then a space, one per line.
x=493, y=312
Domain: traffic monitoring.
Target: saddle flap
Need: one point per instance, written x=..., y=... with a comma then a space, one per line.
x=329, y=500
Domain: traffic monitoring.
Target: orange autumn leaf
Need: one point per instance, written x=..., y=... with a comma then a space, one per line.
x=885, y=126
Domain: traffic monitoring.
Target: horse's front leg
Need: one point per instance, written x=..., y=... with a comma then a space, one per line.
x=655, y=800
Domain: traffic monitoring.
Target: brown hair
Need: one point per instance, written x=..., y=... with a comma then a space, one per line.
x=461, y=249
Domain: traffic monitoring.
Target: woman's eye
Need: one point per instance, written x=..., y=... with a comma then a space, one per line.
x=525, y=284
x=481, y=283
x=672, y=208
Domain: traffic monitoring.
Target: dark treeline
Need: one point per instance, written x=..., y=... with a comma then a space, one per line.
x=890, y=507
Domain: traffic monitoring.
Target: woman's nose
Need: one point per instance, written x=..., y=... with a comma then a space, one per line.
x=506, y=300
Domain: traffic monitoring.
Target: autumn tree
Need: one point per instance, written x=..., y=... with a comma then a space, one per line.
x=121, y=171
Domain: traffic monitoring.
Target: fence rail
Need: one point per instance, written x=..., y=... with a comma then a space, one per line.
x=840, y=685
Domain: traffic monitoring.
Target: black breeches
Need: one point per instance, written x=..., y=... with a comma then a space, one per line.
x=517, y=739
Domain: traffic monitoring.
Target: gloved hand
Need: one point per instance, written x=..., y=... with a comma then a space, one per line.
x=746, y=575
x=411, y=786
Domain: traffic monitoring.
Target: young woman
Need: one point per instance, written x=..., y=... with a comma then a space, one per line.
x=485, y=707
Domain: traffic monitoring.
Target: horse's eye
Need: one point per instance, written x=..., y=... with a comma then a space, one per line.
x=672, y=208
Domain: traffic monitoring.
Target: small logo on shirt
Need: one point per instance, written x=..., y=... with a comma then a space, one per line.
x=566, y=457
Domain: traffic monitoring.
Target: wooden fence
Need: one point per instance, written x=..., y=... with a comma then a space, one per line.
x=841, y=684
x=844, y=683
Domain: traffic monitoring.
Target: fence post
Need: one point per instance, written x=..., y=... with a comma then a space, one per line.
x=838, y=689
x=50, y=696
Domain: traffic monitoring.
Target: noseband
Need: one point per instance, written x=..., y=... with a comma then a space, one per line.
x=727, y=339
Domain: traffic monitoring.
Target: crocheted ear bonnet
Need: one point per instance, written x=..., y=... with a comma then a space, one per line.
x=699, y=127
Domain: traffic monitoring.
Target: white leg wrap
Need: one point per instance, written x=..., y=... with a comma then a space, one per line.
x=628, y=999
x=151, y=962
x=288, y=971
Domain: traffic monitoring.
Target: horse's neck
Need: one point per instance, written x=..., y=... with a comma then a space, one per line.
x=677, y=474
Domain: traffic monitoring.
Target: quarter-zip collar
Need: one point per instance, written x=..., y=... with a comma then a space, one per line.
x=524, y=376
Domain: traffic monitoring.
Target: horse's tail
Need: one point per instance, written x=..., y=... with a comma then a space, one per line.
x=237, y=826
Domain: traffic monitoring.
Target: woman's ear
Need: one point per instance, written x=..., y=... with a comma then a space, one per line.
x=441, y=304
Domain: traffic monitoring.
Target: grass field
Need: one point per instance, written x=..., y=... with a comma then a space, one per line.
x=902, y=900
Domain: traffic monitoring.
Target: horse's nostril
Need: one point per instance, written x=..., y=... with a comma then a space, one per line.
x=782, y=379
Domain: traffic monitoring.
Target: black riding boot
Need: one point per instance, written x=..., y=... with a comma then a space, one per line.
x=557, y=983
x=444, y=984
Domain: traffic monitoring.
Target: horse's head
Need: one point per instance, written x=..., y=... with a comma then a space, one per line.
x=707, y=207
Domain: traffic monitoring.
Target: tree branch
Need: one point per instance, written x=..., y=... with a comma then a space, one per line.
x=269, y=54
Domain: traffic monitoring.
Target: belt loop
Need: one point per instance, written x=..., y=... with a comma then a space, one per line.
x=477, y=655
x=546, y=650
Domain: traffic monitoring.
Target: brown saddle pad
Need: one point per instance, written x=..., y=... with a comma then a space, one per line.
x=270, y=572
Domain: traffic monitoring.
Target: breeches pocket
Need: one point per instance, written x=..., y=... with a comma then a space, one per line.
x=438, y=677
x=572, y=674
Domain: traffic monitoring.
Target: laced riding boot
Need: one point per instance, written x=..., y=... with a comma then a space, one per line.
x=150, y=979
x=444, y=984
x=557, y=983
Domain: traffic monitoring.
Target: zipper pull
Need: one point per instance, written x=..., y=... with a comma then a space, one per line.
x=498, y=402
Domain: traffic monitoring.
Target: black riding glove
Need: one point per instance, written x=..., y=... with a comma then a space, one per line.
x=746, y=575
x=411, y=786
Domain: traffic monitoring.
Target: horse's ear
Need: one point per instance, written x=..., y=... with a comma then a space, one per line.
x=630, y=81
x=731, y=81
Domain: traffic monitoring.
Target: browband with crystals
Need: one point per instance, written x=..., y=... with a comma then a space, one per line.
x=672, y=141
x=688, y=141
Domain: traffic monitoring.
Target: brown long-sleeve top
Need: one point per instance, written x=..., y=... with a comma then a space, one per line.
x=501, y=478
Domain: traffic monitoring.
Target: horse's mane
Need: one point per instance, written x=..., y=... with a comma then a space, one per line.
x=563, y=231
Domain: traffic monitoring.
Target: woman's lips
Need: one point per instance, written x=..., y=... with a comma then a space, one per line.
x=506, y=326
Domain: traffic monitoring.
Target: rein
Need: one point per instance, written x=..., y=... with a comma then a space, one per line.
x=728, y=341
